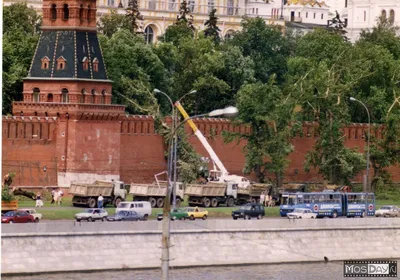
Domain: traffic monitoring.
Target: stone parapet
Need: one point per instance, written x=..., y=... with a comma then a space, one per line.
x=136, y=250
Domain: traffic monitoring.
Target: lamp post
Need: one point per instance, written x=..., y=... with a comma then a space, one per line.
x=173, y=159
x=366, y=185
x=165, y=240
x=282, y=3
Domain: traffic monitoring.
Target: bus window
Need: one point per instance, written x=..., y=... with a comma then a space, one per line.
x=320, y=198
x=370, y=198
x=307, y=198
x=337, y=198
x=359, y=198
x=300, y=199
x=292, y=200
x=313, y=198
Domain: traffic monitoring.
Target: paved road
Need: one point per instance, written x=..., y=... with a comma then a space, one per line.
x=197, y=225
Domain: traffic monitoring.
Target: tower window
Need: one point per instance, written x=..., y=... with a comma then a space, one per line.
x=81, y=12
x=64, y=95
x=45, y=62
x=88, y=13
x=61, y=63
x=65, y=12
x=85, y=62
x=83, y=93
x=95, y=65
x=53, y=12
x=383, y=14
x=36, y=97
x=391, y=17
x=50, y=97
x=93, y=97
x=103, y=96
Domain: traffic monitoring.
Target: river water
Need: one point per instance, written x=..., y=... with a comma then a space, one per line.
x=300, y=271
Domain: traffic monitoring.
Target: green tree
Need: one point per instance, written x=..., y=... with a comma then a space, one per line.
x=266, y=46
x=133, y=15
x=20, y=37
x=323, y=92
x=384, y=34
x=212, y=30
x=272, y=128
x=185, y=15
x=177, y=33
x=133, y=66
x=112, y=22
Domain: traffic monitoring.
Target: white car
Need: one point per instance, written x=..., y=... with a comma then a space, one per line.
x=36, y=216
x=301, y=213
x=388, y=211
x=92, y=215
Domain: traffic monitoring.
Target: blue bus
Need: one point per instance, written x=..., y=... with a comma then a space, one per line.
x=330, y=204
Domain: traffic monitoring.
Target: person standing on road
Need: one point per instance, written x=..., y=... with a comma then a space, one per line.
x=60, y=195
x=100, y=202
x=262, y=198
x=53, y=192
x=55, y=197
x=39, y=202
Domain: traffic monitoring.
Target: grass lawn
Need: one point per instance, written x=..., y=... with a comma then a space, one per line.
x=66, y=211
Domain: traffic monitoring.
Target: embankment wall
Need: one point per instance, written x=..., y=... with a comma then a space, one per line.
x=89, y=251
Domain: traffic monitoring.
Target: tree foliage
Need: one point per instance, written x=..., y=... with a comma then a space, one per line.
x=212, y=30
x=20, y=37
x=272, y=127
x=110, y=23
x=133, y=16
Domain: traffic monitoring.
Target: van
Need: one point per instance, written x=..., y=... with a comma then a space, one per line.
x=142, y=208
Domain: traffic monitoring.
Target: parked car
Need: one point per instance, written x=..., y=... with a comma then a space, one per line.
x=124, y=216
x=142, y=208
x=92, y=215
x=17, y=217
x=196, y=212
x=248, y=211
x=301, y=213
x=176, y=214
x=388, y=211
x=37, y=216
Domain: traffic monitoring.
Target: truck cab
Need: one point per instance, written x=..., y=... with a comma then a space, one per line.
x=232, y=189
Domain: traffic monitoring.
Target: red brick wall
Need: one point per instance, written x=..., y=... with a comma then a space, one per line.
x=130, y=148
x=142, y=150
x=29, y=145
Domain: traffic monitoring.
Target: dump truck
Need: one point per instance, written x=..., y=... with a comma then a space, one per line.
x=155, y=193
x=213, y=194
x=85, y=194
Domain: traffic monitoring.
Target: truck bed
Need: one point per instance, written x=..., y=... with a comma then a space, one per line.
x=210, y=189
x=95, y=189
x=148, y=190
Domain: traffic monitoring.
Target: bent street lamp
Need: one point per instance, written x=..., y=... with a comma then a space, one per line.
x=366, y=184
x=228, y=112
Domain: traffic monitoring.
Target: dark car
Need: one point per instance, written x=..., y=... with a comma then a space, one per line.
x=248, y=211
x=124, y=216
x=17, y=217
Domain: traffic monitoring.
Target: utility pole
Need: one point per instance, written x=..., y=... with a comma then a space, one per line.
x=366, y=178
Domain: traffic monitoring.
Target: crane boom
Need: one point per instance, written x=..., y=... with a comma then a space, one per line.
x=203, y=141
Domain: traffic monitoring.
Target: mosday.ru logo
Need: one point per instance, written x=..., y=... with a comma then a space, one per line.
x=370, y=268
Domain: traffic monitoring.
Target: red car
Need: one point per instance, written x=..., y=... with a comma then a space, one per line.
x=17, y=217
